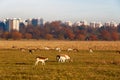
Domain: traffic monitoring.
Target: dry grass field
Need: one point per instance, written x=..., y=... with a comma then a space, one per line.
x=102, y=64
x=81, y=45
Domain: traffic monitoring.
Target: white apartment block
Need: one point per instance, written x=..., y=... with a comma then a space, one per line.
x=92, y=24
x=83, y=22
x=107, y=24
x=111, y=24
x=68, y=23
x=98, y=24
x=77, y=23
x=13, y=24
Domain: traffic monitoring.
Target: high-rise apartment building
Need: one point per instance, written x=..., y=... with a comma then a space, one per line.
x=12, y=24
x=68, y=23
x=35, y=22
x=77, y=23
x=107, y=24
x=111, y=24
x=84, y=22
x=92, y=24
x=41, y=22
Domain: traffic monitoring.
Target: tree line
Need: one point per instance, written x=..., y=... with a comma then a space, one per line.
x=59, y=31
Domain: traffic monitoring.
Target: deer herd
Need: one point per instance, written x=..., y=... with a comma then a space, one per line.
x=61, y=58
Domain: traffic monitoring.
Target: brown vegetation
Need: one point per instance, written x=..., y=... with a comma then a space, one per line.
x=64, y=45
x=58, y=30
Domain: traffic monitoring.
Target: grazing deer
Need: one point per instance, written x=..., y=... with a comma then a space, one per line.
x=58, y=49
x=90, y=50
x=69, y=49
x=118, y=51
x=47, y=48
x=41, y=59
x=76, y=50
x=62, y=58
x=22, y=49
x=14, y=46
x=31, y=51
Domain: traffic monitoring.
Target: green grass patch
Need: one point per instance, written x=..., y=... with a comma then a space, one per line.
x=100, y=65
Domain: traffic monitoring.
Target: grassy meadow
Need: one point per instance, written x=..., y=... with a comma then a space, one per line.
x=81, y=45
x=102, y=64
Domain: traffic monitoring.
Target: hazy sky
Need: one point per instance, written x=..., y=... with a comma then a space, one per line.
x=66, y=10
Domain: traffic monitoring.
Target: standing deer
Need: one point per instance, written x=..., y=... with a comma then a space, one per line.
x=62, y=58
x=90, y=50
x=41, y=59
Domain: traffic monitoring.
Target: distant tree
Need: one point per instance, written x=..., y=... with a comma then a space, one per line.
x=55, y=23
x=115, y=36
x=105, y=35
x=36, y=33
x=81, y=32
x=6, y=35
x=70, y=34
x=81, y=27
x=22, y=28
x=61, y=36
x=29, y=29
x=80, y=37
x=16, y=35
x=48, y=36
x=90, y=29
x=118, y=28
x=93, y=37
x=28, y=36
